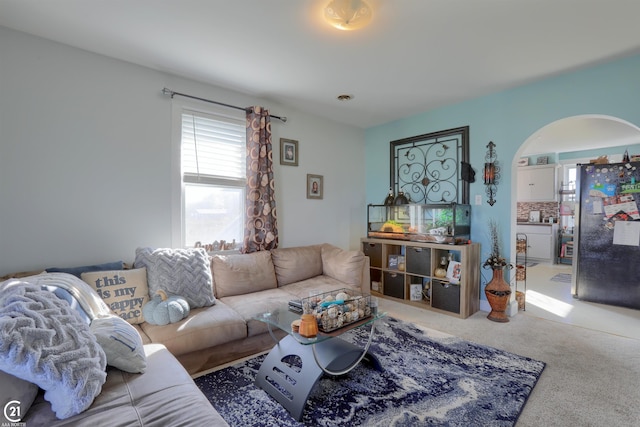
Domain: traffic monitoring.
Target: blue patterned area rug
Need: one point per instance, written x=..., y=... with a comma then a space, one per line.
x=429, y=378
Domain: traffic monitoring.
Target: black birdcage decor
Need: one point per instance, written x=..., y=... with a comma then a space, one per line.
x=491, y=172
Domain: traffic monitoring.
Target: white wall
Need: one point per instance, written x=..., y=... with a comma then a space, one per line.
x=85, y=160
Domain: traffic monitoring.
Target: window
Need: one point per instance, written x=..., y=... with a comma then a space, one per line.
x=213, y=165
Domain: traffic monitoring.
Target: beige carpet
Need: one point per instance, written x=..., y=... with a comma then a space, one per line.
x=591, y=378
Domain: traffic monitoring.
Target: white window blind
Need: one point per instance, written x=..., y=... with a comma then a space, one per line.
x=213, y=149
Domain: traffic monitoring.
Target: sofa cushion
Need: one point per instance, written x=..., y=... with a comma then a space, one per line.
x=183, y=272
x=121, y=343
x=44, y=341
x=250, y=305
x=295, y=264
x=240, y=274
x=342, y=265
x=205, y=327
x=15, y=389
x=317, y=285
x=124, y=291
x=163, y=396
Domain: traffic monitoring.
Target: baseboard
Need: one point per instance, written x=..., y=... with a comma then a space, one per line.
x=512, y=310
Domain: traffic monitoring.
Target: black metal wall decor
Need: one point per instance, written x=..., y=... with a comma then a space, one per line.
x=491, y=172
x=427, y=168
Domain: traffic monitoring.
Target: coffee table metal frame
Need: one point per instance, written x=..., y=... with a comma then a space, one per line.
x=290, y=381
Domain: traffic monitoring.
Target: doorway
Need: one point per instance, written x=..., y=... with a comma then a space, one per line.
x=549, y=298
x=567, y=135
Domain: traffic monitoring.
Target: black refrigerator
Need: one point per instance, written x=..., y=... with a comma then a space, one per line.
x=606, y=266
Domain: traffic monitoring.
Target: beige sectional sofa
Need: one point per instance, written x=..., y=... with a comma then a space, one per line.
x=244, y=286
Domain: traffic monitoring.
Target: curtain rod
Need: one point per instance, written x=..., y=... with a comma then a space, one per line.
x=166, y=91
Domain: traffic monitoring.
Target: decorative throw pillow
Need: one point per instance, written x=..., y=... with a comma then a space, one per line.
x=124, y=291
x=184, y=272
x=121, y=343
x=342, y=265
x=20, y=393
x=77, y=271
x=44, y=341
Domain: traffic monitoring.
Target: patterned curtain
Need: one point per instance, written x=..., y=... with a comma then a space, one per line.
x=261, y=227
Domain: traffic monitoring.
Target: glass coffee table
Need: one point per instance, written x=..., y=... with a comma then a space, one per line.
x=295, y=364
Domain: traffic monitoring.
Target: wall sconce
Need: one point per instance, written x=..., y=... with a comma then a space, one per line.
x=491, y=172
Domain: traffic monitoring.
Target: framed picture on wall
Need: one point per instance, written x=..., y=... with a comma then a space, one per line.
x=288, y=152
x=314, y=186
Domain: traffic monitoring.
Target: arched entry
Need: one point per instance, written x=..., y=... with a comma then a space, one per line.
x=576, y=133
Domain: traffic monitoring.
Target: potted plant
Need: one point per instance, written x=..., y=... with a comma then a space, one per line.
x=497, y=290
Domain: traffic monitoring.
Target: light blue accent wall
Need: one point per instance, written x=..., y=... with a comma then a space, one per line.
x=508, y=118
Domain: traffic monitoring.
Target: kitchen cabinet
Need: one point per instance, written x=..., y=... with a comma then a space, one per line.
x=540, y=241
x=536, y=183
x=410, y=272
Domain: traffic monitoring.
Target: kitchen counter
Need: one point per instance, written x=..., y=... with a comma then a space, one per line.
x=541, y=240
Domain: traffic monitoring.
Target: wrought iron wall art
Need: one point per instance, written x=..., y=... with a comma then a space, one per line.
x=491, y=172
x=427, y=168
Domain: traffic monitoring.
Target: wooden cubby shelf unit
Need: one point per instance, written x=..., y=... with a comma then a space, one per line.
x=405, y=271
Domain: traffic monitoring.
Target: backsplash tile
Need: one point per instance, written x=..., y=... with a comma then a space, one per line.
x=546, y=209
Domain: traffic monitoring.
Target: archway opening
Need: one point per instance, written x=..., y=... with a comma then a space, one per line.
x=570, y=138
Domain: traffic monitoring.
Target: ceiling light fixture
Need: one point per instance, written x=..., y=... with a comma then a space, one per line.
x=344, y=97
x=347, y=14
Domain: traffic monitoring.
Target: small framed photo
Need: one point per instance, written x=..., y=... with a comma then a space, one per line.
x=542, y=160
x=314, y=186
x=415, y=292
x=288, y=152
x=396, y=262
x=454, y=272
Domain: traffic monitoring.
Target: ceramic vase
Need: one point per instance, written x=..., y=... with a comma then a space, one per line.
x=498, y=293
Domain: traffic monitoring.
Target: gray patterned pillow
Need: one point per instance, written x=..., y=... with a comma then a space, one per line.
x=183, y=272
